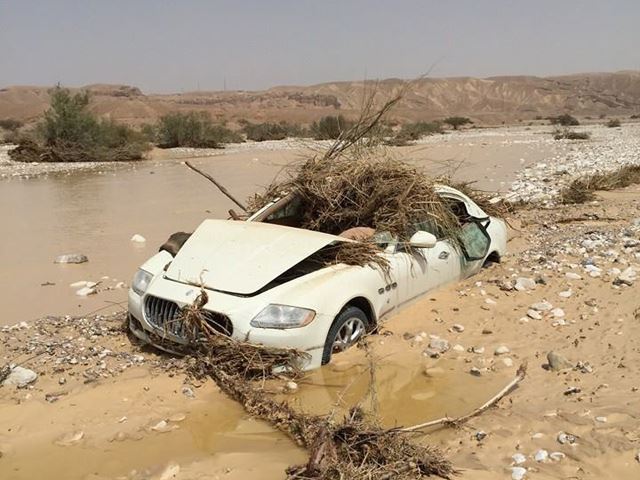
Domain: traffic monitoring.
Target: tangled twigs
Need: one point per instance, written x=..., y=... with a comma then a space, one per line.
x=520, y=374
x=355, y=448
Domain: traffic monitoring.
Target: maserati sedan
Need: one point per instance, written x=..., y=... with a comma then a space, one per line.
x=265, y=285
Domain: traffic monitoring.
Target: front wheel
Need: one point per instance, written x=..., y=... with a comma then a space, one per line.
x=348, y=327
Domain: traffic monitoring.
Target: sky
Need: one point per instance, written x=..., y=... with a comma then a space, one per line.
x=173, y=46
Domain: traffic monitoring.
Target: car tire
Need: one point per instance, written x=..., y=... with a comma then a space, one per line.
x=348, y=327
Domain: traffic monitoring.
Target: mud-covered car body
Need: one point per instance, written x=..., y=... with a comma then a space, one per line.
x=263, y=285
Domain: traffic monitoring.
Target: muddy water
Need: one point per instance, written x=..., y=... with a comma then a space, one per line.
x=96, y=213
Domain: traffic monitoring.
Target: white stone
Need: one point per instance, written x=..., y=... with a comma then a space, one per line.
x=518, y=458
x=572, y=276
x=71, y=258
x=524, y=284
x=458, y=348
x=518, y=473
x=601, y=419
x=71, y=438
x=20, y=377
x=541, y=455
x=507, y=361
x=137, y=238
x=501, y=350
x=543, y=306
x=534, y=314
x=557, y=312
x=557, y=456
x=80, y=284
x=566, y=293
x=171, y=471
x=291, y=386
x=85, y=291
x=456, y=327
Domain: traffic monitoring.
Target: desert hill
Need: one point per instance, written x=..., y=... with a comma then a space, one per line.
x=487, y=100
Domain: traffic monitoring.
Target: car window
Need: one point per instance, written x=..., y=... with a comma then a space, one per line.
x=475, y=241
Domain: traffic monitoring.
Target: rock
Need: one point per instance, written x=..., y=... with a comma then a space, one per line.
x=86, y=291
x=601, y=419
x=501, y=350
x=557, y=456
x=478, y=350
x=541, y=456
x=137, y=238
x=20, y=377
x=188, y=392
x=566, y=438
x=558, y=362
x=557, y=312
x=572, y=276
x=518, y=458
x=431, y=353
x=475, y=371
x=69, y=439
x=626, y=277
x=480, y=435
x=534, y=314
x=572, y=391
x=291, y=387
x=518, y=473
x=177, y=417
x=71, y=258
x=638, y=457
x=507, y=361
x=456, y=327
x=523, y=284
x=440, y=345
x=458, y=348
x=566, y=293
x=171, y=471
x=543, y=306
x=163, y=427
x=80, y=284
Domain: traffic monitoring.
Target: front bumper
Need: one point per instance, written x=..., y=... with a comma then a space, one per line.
x=240, y=310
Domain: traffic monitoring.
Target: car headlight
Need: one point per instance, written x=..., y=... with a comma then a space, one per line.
x=141, y=281
x=283, y=316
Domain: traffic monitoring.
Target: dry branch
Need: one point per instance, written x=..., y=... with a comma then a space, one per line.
x=520, y=374
x=217, y=184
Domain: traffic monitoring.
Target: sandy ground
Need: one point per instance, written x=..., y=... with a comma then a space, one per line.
x=96, y=410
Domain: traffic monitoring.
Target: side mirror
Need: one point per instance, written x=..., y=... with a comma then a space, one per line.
x=422, y=239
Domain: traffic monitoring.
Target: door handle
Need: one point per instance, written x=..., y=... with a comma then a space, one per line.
x=443, y=255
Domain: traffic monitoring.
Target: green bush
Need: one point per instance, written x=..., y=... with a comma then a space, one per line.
x=410, y=132
x=70, y=133
x=564, y=120
x=259, y=132
x=613, y=123
x=456, y=122
x=193, y=129
x=330, y=127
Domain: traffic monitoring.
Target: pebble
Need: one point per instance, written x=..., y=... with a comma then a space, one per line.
x=458, y=348
x=558, y=362
x=518, y=458
x=543, y=306
x=601, y=419
x=566, y=293
x=478, y=350
x=523, y=284
x=566, y=438
x=291, y=387
x=557, y=312
x=69, y=439
x=557, y=456
x=572, y=276
x=475, y=371
x=188, y=392
x=518, y=473
x=163, y=427
x=71, y=258
x=20, y=377
x=456, y=327
x=480, y=435
x=534, y=314
x=438, y=344
x=501, y=350
x=507, y=361
x=626, y=277
x=137, y=238
x=541, y=456
x=86, y=291
x=80, y=284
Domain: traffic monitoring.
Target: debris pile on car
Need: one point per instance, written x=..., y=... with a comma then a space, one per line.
x=356, y=447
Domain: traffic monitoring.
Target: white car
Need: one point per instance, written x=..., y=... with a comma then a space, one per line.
x=263, y=285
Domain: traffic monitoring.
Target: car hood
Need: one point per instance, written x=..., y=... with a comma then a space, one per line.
x=242, y=257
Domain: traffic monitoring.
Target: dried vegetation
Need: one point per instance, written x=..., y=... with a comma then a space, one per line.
x=582, y=189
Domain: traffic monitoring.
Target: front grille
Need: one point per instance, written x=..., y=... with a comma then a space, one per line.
x=165, y=315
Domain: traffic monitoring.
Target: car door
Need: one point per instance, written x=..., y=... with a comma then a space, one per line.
x=422, y=269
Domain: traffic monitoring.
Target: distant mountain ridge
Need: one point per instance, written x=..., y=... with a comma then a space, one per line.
x=486, y=100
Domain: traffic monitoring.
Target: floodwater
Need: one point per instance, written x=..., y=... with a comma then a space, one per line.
x=96, y=213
